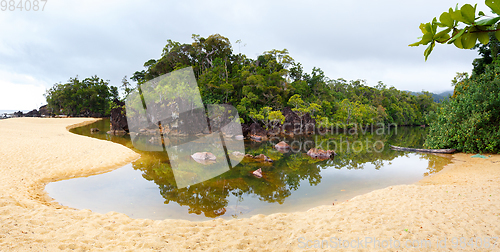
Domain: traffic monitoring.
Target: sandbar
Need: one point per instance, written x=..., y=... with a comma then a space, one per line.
x=461, y=201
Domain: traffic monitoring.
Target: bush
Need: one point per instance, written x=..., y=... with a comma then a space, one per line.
x=470, y=120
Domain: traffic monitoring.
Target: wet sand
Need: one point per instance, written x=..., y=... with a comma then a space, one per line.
x=462, y=201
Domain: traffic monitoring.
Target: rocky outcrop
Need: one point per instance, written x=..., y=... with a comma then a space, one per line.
x=32, y=113
x=118, y=119
x=245, y=128
x=44, y=111
x=321, y=154
x=292, y=124
x=296, y=125
x=257, y=132
x=308, y=124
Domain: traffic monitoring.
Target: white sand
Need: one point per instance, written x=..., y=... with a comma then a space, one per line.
x=463, y=200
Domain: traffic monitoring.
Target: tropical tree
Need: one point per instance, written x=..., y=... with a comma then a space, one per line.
x=462, y=27
x=88, y=97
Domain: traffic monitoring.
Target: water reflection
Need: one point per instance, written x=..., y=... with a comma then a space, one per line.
x=293, y=182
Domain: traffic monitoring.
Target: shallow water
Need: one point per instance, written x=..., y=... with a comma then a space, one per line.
x=147, y=188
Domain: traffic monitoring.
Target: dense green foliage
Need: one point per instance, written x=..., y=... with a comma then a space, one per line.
x=475, y=28
x=89, y=97
x=470, y=120
x=260, y=88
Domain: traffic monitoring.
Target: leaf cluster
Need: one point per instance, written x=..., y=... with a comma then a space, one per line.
x=460, y=26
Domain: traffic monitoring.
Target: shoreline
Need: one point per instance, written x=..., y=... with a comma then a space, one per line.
x=462, y=200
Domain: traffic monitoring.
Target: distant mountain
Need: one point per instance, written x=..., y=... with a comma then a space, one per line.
x=437, y=97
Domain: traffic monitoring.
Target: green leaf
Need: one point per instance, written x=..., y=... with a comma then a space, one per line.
x=428, y=28
x=445, y=19
x=468, y=13
x=469, y=40
x=488, y=21
x=494, y=5
x=434, y=26
x=415, y=44
x=441, y=33
x=443, y=38
x=457, y=15
x=422, y=28
x=497, y=35
x=458, y=43
x=428, y=50
x=483, y=37
x=460, y=33
x=481, y=14
x=426, y=39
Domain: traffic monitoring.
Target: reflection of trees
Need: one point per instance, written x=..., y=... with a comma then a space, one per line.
x=281, y=177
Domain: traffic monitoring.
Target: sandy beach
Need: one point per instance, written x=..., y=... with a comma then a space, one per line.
x=460, y=202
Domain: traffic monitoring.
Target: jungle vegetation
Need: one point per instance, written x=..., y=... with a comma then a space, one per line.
x=260, y=88
x=470, y=120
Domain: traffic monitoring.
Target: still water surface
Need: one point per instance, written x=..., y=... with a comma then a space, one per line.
x=146, y=188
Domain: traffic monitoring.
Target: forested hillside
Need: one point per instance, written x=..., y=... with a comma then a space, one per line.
x=260, y=88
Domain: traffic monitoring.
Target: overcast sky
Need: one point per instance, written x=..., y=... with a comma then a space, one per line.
x=355, y=39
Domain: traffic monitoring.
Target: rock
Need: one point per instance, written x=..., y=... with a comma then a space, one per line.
x=117, y=132
x=257, y=173
x=245, y=128
x=118, y=118
x=238, y=154
x=203, y=156
x=263, y=157
x=292, y=124
x=257, y=132
x=308, y=124
x=321, y=154
x=248, y=156
x=238, y=137
x=296, y=125
x=32, y=113
x=94, y=130
x=282, y=146
x=44, y=111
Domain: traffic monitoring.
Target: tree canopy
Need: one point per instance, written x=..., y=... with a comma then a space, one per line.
x=261, y=87
x=469, y=120
x=88, y=97
x=462, y=27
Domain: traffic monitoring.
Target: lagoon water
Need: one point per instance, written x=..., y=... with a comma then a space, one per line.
x=146, y=188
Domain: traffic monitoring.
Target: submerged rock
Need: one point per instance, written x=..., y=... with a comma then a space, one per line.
x=321, y=154
x=257, y=173
x=94, y=130
x=238, y=154
x=203, y=156
x=263, y=157
x=116, y=132
x=282, y=146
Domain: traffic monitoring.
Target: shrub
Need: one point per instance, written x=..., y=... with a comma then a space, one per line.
x=470, y=120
